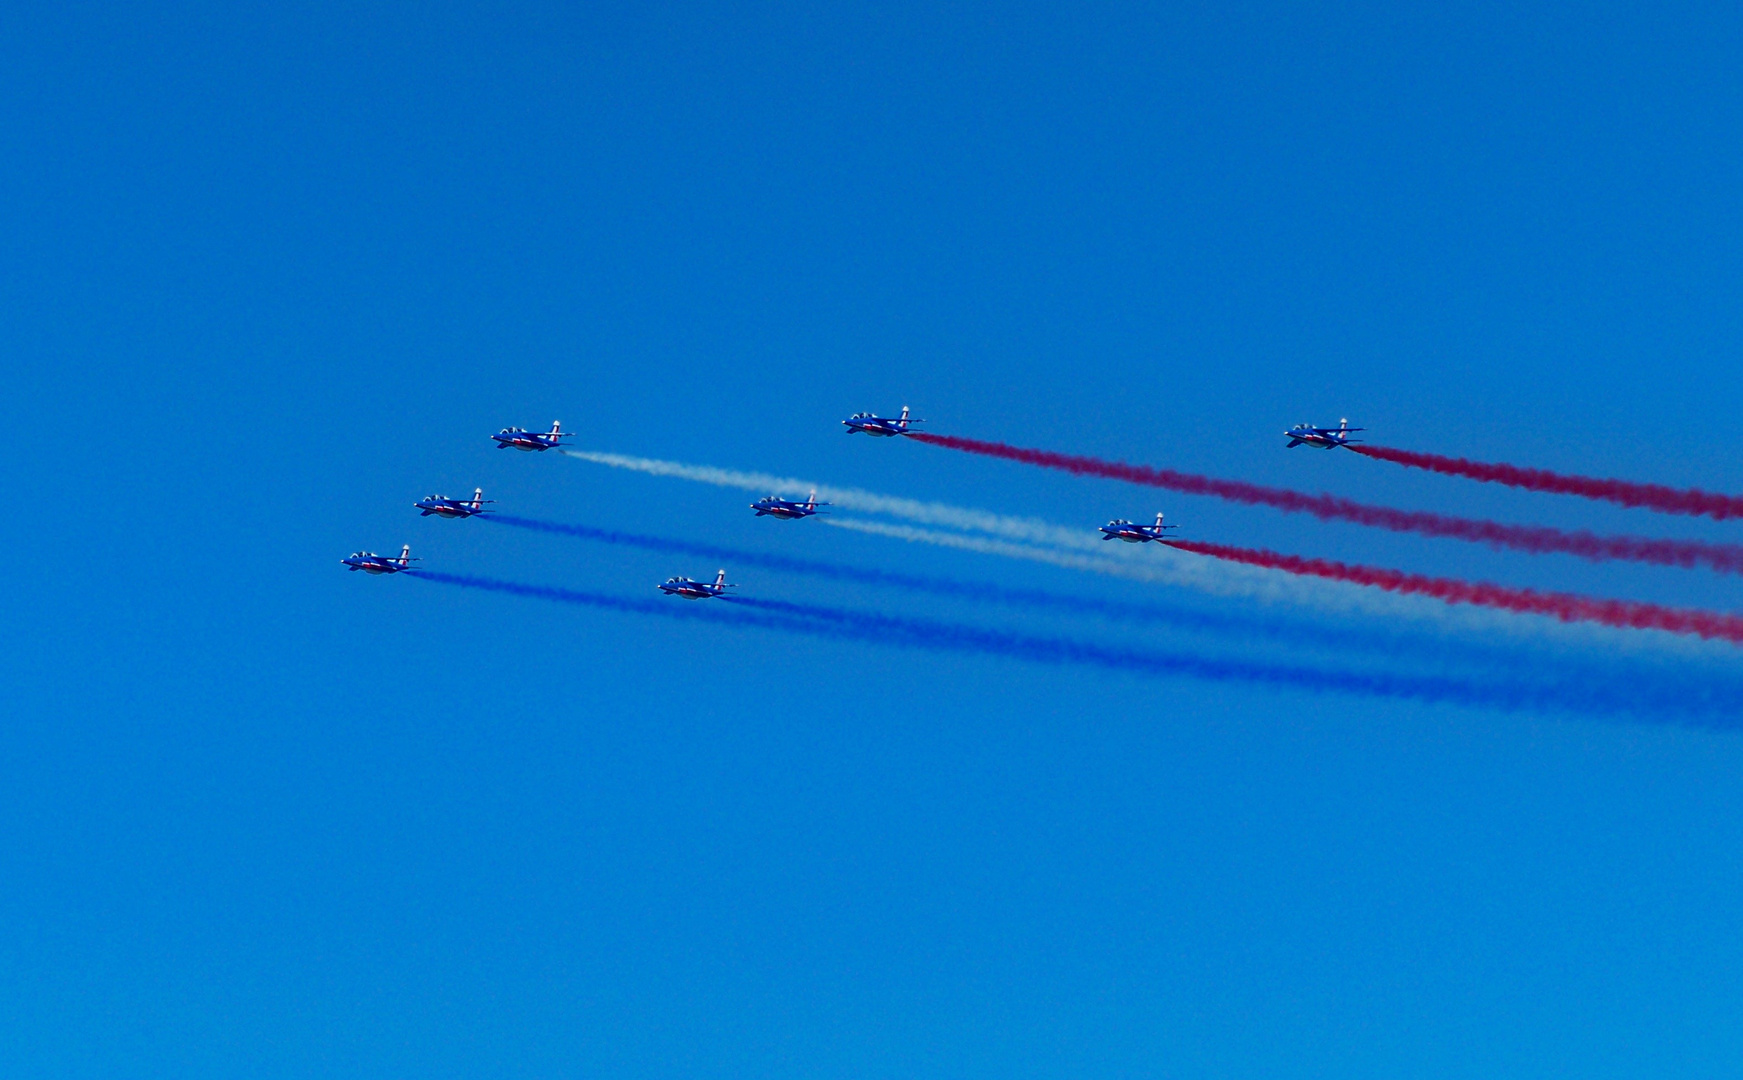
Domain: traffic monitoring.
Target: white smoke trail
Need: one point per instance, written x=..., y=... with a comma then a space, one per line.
x=1168, y=567
x=1167, y=571
x=1041, y=541
x=1029, y=530
x=1271, y=587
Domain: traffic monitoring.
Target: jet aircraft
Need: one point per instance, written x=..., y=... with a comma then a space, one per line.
x=1121, y=529
x=696, y=590
x=522, y=439
x=1326, y=438
x=442, y=506
x=787, y=509
x=371, y=563
x=881, y=426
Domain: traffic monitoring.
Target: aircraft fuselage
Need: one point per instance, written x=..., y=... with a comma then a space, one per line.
x=369, y=566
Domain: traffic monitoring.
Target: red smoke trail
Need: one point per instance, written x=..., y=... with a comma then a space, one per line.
x=1565, y=606
x=1665, y=500
x=1727, y=558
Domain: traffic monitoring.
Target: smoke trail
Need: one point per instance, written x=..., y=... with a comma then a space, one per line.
x=1031, y=536
x=1564, y=606
x=1726, y=558
x=1393, y=645
x=868, y=576
x=1133, y=566
x=883, y=629
x=862, y=575
x=1665, y=500
x=1146, y=563
x=926, y=513
x=1171, y=571
x=1579, y=696
x=1176, y=617
x=719, y=615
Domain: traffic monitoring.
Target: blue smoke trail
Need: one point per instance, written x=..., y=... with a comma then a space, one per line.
x=1342, y=633
x=877, y=628
x=1175, y=617
x=1708, y=706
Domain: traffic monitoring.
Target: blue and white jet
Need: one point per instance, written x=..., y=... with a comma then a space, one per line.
x=522, y=439
x=787, y=509
x=442, y=506
x=882, y=426
x=371, y=563
x=1326, y=438
x=696, y=590
x=1121, y=529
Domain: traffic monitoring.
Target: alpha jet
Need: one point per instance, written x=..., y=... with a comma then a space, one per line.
x=1326, y=438
x=696, y=590
x=522, y=439
x=442, y=506
x=882, y=426
x=371, y=563
x=787, y=509
x=1121, y=529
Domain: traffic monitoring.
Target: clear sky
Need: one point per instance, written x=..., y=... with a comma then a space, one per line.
x=271, y=275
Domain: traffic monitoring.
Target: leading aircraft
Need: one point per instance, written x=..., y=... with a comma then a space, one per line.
x=787, y=509
x=1121, y=529
x=881, y=426
x=371, y=563
x=522, y=439
x=696, y=590
x=442, y=506
x=1326, y=438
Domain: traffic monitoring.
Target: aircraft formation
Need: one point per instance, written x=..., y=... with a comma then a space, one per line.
x=1534, y=539
x=518, y=438
x=1636, y=693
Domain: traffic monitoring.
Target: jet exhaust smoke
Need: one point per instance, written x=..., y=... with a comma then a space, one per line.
x=1567, y=607
x=1042, y=541
x=877, y=628
x=847, y=498
x=1665, y=500
x=1538, y=540
x=1018, y=537
x=1174, y=616
x=1620, y=682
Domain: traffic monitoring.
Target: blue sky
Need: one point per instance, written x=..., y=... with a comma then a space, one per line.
x=271, y=276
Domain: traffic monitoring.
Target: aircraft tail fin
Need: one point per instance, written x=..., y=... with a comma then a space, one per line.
x=1158, y=519
x=556, y=427
x=477, y=498
x=405, y=555
x=720, y=578
x=904, y=420
x=811, y=500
